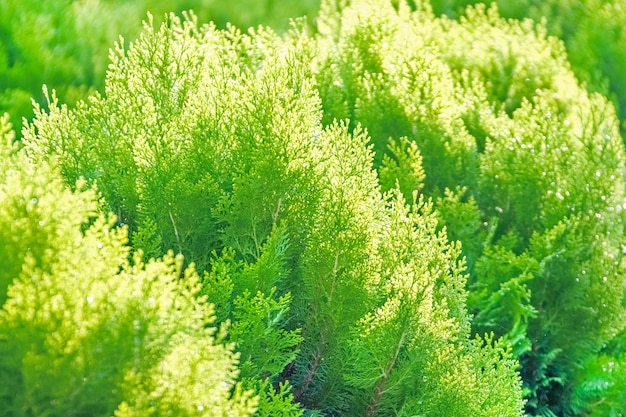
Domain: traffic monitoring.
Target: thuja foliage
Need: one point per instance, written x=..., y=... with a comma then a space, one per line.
x=86, y=331
x=592, y=31
x=525, y=168
x=341, y=299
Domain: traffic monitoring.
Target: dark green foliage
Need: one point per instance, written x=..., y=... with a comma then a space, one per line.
x=246, y=294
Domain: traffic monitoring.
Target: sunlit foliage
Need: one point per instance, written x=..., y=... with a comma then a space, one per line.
x=390, y=214
x=210, y=143
x=525, y=167
x=86, y=331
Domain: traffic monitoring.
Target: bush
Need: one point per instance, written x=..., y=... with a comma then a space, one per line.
x=524, y=165
x=210, y=143
x=85, y=331
x=591, y=30
x=315, y=181
x=64, y=44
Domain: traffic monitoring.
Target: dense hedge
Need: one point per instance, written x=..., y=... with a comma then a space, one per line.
x=359, y=200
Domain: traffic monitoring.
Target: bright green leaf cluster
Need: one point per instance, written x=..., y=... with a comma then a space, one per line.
x=592, y=31
x=85, y=331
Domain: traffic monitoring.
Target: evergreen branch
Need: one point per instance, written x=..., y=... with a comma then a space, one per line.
x=308, y=379
x=379, y=389
x=180, y=248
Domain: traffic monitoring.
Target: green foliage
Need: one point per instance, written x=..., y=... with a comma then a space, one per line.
x=64, y=44
x=250, y=13
x=592, y=31
x=217, y=135
x=403, y=168
x=184, y=175
x=501, y=298
x=276, y=400
x=366, y=72
x=525, y=167
x=273, y=349
x=603, y=384
x=32, y=222
x=412, y=353
x=462, y=219
x=85, y=331
x=210, y=143
x=337, y=263
x=259, y=318
x=259, y=322
x=281, y=165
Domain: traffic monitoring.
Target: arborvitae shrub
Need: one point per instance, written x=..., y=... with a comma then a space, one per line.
x=591, y=30
x=525, y=166
x=86, y=331
x=63, y=43
x=210, y=143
